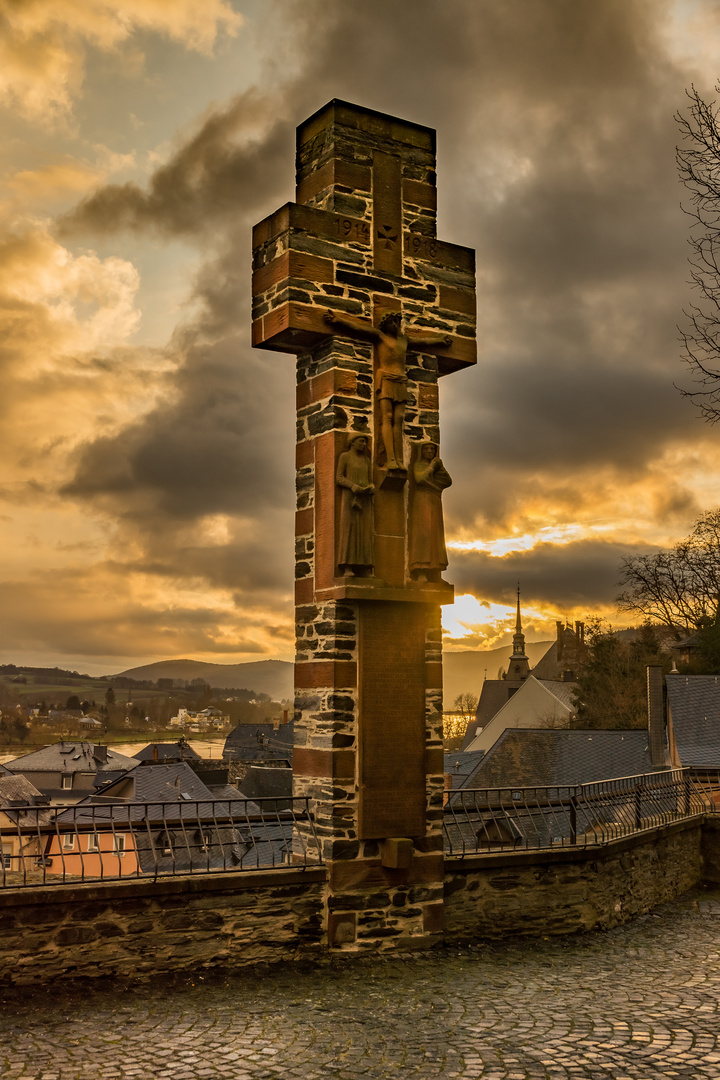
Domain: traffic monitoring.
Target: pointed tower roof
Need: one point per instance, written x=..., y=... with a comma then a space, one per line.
x=519, y=666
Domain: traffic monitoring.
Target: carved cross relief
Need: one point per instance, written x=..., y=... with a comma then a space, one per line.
x=352, y=278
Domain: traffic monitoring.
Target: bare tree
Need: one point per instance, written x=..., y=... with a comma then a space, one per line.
x=465, y=704
x=698, y=161
x=679, y=588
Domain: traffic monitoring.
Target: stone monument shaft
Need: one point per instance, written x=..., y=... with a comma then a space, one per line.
x=352, y=279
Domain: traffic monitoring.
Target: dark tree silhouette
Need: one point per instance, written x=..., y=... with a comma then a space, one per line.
x=698, y=161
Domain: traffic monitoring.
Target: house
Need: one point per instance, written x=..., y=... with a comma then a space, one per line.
x=175, y=751
x=66, y=771
x=524, y=790
x=162, y=819
x=261, y=742
x=22, y=807
x=536, y=703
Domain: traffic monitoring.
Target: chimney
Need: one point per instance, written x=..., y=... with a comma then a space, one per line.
x=100, y=753
x=560, y=629
x=155, y=752
x=656, y=716
x=580, y=632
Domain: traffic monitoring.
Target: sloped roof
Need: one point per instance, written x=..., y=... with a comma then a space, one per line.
x=163, y=787
x=694, y=706
x=563, y=691
x=69, y=757
x=253, y=742
x=461, y=764
x=177, y=749
x=542, y=757
x=493, y=695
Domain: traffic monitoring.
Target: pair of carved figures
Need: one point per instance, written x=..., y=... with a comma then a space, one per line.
x=427, y=554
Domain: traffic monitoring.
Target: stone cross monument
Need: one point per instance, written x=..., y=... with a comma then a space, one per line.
x=352, y=279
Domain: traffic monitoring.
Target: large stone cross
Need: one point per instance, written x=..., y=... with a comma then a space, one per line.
x=352, y=278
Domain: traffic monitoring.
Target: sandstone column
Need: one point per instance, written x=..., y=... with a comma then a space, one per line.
x=359, y=244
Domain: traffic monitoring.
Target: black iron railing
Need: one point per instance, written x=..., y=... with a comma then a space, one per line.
x=108, y=840
x=505, y=819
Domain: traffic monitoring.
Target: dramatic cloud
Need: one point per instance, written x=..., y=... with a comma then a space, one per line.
x=153, y=484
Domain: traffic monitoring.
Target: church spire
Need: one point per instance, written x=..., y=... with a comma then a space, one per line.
x=519, y=664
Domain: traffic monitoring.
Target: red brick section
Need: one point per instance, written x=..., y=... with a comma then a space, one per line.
x=333, y=763
x=392, y=746
x=312, y=674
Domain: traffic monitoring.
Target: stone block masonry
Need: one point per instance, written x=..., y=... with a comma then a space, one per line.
x=137, y=929
x=360, y=243
x=565, y=891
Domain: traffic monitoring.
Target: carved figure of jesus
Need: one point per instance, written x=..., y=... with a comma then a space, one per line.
x=391, y=346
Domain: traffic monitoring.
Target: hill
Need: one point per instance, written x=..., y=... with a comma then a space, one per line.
x=464, y=672
x=273, y=677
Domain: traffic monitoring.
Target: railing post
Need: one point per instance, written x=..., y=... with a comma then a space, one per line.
x=639, y=788
x=573, y=816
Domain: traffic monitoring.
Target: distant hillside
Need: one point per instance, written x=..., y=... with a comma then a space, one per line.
x=273, y=677
x=463, y=672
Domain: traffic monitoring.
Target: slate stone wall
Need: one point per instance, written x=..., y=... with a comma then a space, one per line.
x=711, y=849
x=137, y=929
x=564, y=892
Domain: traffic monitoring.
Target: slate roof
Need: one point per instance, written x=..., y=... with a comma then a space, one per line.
x=542, y=757
x=694, y=708
x=267, y=782
x=257, y=742
x=18, y=790
x=461, y=764
x=69, y=757
x=179, y=749
x=4, y=770
x=172, y=790
x=563, y=691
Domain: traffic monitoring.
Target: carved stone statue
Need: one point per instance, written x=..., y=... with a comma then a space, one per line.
x=427, y=555
x=391, y=347
x=356, y=538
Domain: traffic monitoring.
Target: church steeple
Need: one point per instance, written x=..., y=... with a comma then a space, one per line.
x=519, y=667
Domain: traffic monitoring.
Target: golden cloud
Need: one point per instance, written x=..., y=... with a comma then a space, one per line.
x=42, y=42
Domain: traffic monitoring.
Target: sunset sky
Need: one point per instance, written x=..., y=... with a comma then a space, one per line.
x=146, y=475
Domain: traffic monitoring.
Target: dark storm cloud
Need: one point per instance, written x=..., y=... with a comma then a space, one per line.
x=225, y=170
x=555, y=162
x=559, y=575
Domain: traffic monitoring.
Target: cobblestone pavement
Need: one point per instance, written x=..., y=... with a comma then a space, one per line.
x=637, y=1002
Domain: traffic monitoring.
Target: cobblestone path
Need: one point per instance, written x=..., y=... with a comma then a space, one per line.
x=638, y=1002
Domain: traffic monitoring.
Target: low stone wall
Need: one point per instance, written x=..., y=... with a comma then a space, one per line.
x=711, y=849
x=138, y=928
x=566, y=891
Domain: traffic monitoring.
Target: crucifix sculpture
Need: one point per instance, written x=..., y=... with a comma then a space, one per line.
x=352, y=279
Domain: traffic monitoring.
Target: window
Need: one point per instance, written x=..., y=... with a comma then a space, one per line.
x=93, y=843
x=68, y=841
x=66, y=782
x=6, y=858
x=119, y=844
